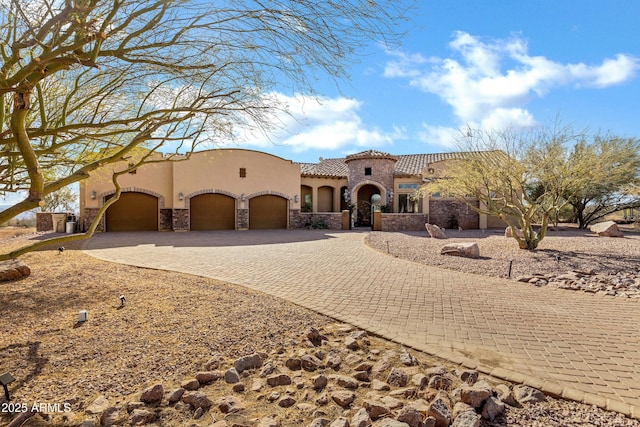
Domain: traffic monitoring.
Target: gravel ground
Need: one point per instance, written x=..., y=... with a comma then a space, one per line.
x=169, y=327
x=577, y=250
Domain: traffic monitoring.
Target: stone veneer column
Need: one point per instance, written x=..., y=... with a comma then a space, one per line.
x=243, y=218
x=166, y=219
x=180, y=219
x=89, y=216
x=44, y=221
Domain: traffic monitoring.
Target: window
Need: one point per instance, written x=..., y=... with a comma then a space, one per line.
x=243, y=172
x=408, y=203
x=408, y=186
x=367, y=171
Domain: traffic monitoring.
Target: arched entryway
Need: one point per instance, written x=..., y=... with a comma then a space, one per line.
x=212, y=212
x=363, y=205
x=268, y=211
x=133, y=212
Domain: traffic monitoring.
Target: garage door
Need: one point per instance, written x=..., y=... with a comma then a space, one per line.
x=213, y=212
x=268, y=212
x=133, y=212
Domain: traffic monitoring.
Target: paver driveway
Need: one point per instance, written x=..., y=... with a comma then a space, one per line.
x=582, y=346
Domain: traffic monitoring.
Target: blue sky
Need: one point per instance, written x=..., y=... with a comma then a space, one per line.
x=488, y=64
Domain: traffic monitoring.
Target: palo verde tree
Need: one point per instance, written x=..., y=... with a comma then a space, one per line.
x=615, y=168
x=522, y=177
x=83, y=83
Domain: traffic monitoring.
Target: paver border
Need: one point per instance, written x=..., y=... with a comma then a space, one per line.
x=549, y=388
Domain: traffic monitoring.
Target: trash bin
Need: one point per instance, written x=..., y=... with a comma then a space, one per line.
x=71, y=227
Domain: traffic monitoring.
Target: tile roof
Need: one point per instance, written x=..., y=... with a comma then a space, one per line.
x=332, y=168
x=406, y=165
x=413, y=164
x=371, y=154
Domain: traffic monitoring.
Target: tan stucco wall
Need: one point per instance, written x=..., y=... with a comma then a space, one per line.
x=219, y=170
x=206, y=171
x=153, y=178
x=397, y=191
x=315, y=183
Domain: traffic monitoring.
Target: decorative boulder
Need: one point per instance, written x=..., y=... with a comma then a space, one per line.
x=607, y=229
x=508, y=232
x=13, y=270
x=435, y=231
x=467, y=250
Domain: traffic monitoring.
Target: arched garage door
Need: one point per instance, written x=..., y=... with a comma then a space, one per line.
x=268, y=212
x=133, y=212
x=212, y=212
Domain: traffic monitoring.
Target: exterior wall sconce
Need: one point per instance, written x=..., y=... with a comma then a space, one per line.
x=243, y=197
x=180, y=196
x=431, y=171
x=93, y=195
x=296, y=198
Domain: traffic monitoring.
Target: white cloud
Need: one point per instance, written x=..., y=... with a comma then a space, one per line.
x=503, y=118
x=439, y=136
x=321, y=123
x=500, y=118
x=489, y=83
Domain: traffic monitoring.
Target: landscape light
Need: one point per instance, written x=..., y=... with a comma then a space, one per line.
x=82, y=316
x=5, y=380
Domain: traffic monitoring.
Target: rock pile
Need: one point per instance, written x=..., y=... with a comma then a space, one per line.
x=624, y=284
x=334, y=379
x=13, y=270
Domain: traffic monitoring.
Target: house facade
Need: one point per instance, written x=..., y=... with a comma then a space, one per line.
x=236, y=189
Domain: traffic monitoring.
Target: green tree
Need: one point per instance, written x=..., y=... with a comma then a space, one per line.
x=524, y=178
x=84, y=83
x=615, y=168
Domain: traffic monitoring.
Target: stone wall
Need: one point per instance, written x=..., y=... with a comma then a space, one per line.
x=295, y=218
x=166, y=220
x=44, y=221
x=180, y=219
x=52, y=221
x=403, y=222
x=243, y=219
x=445, y=213
x=333, y=220
x=89, y=216
x=381, y=173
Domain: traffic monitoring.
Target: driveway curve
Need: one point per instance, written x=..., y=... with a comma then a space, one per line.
x=579, y=346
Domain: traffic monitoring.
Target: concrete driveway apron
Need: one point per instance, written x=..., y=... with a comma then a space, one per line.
x=581, y=346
